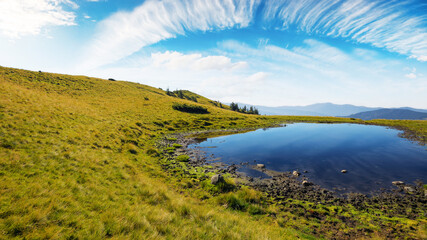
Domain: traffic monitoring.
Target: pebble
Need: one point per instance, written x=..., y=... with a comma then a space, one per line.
x=344, y=171
x=295, y=173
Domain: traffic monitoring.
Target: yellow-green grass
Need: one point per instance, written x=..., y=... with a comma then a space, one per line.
x=73, y=162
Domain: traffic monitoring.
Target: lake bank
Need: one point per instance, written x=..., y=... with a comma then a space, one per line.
x=289, y=192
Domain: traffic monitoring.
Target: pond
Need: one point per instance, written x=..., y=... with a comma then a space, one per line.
x=373, y=156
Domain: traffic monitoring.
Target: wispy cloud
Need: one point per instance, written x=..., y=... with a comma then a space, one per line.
x=28, y=17
x=126, y=32
x=384, y=24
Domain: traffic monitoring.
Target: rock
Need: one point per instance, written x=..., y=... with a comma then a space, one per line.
x=260, y=165
x=305, y=171
x=306, y=183
x=409, y=189
x=397, y=183
x=344, y=171
x=296, y=173
x=232, y=168
x=217, y=178
x=425, y=193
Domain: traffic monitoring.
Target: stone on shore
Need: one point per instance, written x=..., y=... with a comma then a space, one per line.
x=217, y=178
x=296, y=173
x=306, y=183
x=260, y=165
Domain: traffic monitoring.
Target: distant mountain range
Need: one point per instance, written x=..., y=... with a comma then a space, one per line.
x=337, y=110
x=390, y=114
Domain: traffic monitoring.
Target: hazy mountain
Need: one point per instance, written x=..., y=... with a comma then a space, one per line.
x=318, y=109
x=414, y=109
x=391, y=114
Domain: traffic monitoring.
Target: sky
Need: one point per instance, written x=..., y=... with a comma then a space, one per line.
x=272, y=53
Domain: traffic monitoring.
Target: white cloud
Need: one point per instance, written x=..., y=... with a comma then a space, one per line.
x=411, y=75
x=176, y=61
x=419, y=58
x=28, y=17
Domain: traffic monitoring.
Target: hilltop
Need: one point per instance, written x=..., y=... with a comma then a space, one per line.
x=79, y=159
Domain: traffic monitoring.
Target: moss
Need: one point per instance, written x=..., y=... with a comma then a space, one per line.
x=183, y=158
x=176, y=145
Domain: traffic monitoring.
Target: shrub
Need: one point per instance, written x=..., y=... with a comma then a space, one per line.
x=233, y=202
x=189, y=108
x=255, y=210
x=183, y=158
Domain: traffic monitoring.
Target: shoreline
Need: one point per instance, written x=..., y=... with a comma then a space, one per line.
x=284, y=185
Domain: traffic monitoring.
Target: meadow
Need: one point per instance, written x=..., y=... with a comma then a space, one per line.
x=79, y=160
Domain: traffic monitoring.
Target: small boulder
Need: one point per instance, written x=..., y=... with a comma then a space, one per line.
x=344, y=171
x=397, y=183
x=217, y=178
x=306, y=183
x=409, y=189
x=260, y=165
x=296, y=173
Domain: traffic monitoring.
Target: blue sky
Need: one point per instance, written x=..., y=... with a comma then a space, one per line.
x=273, y=53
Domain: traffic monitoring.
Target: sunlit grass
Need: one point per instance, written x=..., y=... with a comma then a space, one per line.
x=78, y=161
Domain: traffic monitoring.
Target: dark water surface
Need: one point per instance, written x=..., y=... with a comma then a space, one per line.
x=373, y=155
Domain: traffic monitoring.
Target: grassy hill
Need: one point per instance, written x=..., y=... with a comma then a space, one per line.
x=76, y=163
x=390, y=114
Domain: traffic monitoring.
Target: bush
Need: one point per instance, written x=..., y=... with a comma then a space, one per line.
x=233, y=202
x=190, y=108
x=183, y=158
x=255, y=210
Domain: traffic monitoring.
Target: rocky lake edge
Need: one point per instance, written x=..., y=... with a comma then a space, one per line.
x=402, y=199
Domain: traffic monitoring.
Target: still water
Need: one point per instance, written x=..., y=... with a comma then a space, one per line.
x=374, y=156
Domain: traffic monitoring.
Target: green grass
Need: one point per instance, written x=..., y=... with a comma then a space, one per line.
x=78, y=159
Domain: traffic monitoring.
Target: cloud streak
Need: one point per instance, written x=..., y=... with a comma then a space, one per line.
x=384, y=24
x=126, y=32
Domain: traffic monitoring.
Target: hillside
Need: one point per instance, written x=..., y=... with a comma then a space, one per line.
x=390, y=114
x=79, y=160
x=73, y=162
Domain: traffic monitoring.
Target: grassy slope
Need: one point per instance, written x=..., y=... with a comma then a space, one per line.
x=73, y=162
x=66, y=170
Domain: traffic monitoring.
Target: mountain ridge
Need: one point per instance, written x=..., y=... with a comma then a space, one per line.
x=322, y=109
